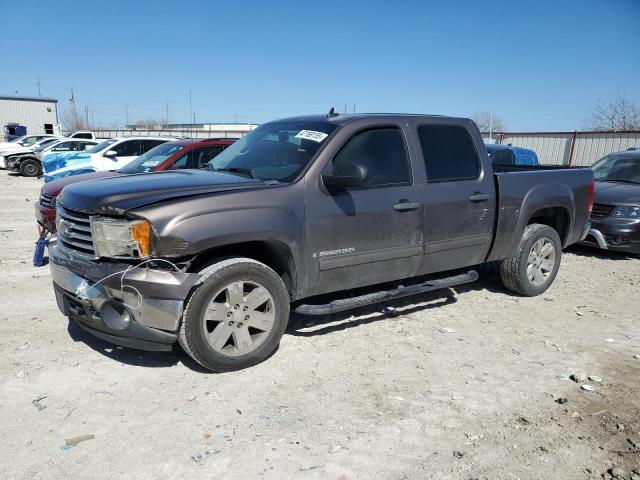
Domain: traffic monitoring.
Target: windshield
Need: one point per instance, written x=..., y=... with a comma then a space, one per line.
x=275, y=150
x=41, y=145
x=151, y=159
x=621, y=168
x=101, y=146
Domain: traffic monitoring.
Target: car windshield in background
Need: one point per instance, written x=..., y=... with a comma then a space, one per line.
x=101, y=146
x=621, y=168
x=274, y=151
x=151, y=159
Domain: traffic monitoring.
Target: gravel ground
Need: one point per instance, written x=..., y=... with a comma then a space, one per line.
x=345, y=397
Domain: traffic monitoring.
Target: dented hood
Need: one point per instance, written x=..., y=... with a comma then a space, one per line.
x=122, y=193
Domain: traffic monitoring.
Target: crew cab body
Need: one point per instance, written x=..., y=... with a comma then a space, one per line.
x=178, y=154
x=109, y=155
x=325, y=203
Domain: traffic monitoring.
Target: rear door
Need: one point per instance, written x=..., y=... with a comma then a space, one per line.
x=459, y=195
x=371, y=234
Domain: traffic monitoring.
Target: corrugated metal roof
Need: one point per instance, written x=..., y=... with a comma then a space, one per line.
x=28, y=99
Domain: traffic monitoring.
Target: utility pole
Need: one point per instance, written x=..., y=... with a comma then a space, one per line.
x=126, y=114
x=190, y=107
x=74, y=113
x=38, y=80
x=354, y=108
x=166, y=112
x=86, y=114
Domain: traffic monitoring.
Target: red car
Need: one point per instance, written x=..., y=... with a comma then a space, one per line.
x=174, y=155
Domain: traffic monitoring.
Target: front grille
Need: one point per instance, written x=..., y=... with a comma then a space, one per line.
x=74, y=230
x=600, y=211
x=47, y=200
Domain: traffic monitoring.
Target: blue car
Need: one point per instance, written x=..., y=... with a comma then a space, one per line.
x=510, y=155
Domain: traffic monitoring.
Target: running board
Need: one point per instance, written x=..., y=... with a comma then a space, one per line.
x=377, y=297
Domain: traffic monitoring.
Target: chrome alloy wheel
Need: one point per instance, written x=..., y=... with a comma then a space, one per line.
x=542, y=258
x=238, y=318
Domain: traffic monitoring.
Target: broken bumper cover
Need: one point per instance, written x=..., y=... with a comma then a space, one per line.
x=141, y=309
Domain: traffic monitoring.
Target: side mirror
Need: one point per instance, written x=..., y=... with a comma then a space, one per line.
x=345, y=176
x=112, y=154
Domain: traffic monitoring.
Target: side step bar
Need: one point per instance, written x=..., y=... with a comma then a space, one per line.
x=377, y=297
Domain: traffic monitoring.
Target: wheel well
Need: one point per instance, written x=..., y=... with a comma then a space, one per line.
x=276, y=255
x=555, y=217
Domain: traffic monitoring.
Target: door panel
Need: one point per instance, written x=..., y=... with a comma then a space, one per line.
x=459, y=198
x=356, y=237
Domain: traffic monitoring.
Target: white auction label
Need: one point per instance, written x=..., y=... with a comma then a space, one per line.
x=312, y=135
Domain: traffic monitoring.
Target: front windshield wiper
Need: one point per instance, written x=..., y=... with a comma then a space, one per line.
x=621, y=180
x=242, y=171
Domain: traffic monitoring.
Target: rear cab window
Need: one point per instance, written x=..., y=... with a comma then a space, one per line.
x=449, y=153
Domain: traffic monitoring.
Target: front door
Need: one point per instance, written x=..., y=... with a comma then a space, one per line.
x=125, y=152
x=459, y=197
x=373, y=233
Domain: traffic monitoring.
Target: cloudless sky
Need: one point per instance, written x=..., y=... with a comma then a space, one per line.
x=539, y=65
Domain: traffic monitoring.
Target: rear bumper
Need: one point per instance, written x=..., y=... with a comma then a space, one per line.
x=151, y=301
x=619, y=235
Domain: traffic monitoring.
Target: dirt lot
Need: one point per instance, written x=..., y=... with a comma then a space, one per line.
x=347, y=397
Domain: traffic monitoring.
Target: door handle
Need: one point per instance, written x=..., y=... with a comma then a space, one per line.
x=478, y=197
x=404, y=206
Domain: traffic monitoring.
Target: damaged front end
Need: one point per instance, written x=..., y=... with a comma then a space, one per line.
x=135, y=301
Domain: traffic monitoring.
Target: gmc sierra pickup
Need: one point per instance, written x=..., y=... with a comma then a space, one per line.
x=300, y=207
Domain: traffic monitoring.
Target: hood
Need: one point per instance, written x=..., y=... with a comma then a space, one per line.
x=615, y=193
x=124, y=192
x=54, y=187
x=16, y=151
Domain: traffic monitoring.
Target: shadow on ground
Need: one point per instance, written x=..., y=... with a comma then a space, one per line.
x=584, y=251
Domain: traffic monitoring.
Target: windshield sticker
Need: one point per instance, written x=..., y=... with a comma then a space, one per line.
x=151, y=163
x=312, y=135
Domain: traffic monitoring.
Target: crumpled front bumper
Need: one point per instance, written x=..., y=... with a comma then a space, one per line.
x=153, y=299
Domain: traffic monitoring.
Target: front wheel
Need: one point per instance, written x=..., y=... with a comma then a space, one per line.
x=533, y=266
x=29, y=168
x=236, y=317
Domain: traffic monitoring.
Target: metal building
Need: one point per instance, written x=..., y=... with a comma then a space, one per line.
x=38, y=114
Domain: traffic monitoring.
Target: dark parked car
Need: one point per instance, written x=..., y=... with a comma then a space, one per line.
x=509, y=155
x=178, y=154
x=297, y=208
x=615, y=219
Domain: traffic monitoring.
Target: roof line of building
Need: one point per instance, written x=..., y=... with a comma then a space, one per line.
x=29, y=99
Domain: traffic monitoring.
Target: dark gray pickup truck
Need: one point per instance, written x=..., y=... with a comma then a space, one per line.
x=301, y=207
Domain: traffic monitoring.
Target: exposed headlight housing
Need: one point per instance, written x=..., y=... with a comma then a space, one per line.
x=121, y=238
x=626, y=212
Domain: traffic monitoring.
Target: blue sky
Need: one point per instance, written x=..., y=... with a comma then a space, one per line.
x=539, y=65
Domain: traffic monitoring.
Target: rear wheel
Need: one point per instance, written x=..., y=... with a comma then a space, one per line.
x=236, y=317
x=30, y=168
x=533, y=266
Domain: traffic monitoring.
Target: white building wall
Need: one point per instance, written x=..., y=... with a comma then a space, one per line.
x=31, y=114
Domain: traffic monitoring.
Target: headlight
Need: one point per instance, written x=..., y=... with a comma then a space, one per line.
x=626, y=212
x=121, y=238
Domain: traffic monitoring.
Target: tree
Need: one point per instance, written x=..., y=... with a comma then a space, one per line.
x=73, y=120
x=621, y=113
x=487, y=121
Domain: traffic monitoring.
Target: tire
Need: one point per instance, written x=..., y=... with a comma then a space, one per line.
x=240, y=331
x=30, y=168
x=528, y=272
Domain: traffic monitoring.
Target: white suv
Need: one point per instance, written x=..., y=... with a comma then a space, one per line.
x=110, y=155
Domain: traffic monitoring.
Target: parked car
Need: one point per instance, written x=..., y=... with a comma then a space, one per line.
x=179, y=154
x=29, y=164
x=297, y=208
x=85, y=134
x=22, y=142
x=42, y=143
x=615, y=219
x=510, y=155
x=109, y=155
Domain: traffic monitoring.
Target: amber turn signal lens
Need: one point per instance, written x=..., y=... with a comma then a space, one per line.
x=141, y=233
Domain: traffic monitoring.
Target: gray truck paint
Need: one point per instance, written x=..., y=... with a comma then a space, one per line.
x=330, y=242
